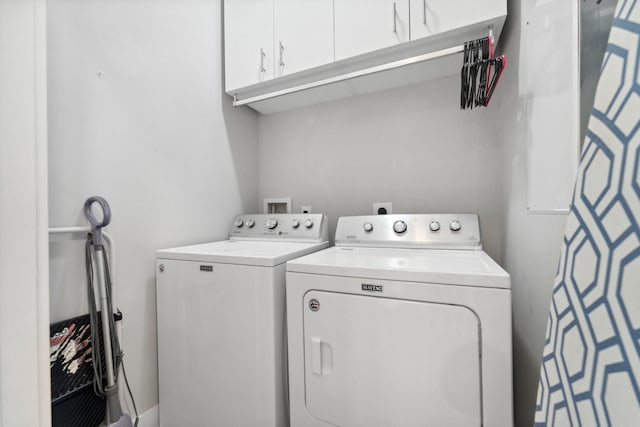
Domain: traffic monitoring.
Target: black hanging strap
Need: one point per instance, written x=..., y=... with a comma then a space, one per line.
x=480, y=73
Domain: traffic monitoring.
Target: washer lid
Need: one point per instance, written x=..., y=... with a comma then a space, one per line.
x=455, y=267
x=258, y=253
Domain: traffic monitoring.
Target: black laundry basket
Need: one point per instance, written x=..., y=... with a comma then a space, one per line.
x=73, y=401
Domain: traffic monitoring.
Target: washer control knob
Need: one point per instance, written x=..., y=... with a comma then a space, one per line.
x=308, y=223
x=367, y=227
x=399, y=227
x=250, y=223
x=455, y=225
x=272, y=223
x=434, y=226
x=239, y=223
x=295, y=223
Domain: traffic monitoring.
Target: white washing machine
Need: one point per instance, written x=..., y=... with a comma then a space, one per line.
x=405, y=322
x=221, y=322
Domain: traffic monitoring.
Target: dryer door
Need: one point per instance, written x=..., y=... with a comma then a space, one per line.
x=374, y=361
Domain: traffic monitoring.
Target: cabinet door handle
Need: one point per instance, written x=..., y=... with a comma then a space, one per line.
x=395, y=18
x=281, y=54
x=424, y=12
x=262, y=55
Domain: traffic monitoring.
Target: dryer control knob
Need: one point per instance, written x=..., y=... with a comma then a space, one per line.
x=399, y=227
x=367, y=227
x=308, y=223
x=434, y=226
x=239, y=222
x=272, y=223
x=295, y=223
x=250, y=223
x=455, y=225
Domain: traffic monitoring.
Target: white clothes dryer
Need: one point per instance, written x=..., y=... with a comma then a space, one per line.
x=221, y=318
x=406, y=322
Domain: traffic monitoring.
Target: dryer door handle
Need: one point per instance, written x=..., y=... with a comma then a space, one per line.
x=321, y=357
x=316, y=355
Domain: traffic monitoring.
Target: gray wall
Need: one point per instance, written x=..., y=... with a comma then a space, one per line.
x=410, y=146
x=155, y=135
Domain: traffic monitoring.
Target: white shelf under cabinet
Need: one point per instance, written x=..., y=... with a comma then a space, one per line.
x=406, y=75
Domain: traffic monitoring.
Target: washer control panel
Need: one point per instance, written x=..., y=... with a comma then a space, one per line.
x=293, y=227
x=444, y=231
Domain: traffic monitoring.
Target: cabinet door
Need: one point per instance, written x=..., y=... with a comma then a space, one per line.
x=436, y=16
x=303, y=34
x=248, y=30
x=366, y=25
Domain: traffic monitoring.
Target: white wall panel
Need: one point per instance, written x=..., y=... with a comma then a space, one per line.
x=551, y=72
x=24, y=316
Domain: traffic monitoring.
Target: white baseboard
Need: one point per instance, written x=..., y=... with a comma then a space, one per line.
x=150, y=418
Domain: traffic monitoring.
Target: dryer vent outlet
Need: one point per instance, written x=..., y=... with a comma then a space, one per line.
x=382, y=208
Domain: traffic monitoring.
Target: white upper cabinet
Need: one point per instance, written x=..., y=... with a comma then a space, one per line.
x=249, y=54
x=303, y=34
x=363, y=26
x=283, y=54
x=430, y=17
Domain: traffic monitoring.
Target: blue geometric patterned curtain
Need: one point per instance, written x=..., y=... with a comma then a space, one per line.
x=590, y=373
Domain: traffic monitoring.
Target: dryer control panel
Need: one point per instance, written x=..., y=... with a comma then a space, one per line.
x=281, y=227
x=437, y=231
